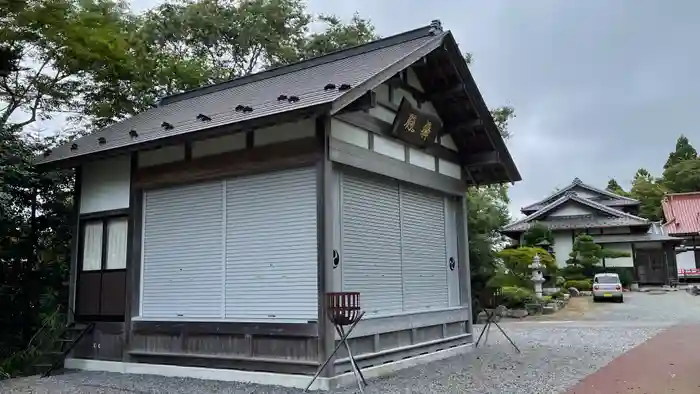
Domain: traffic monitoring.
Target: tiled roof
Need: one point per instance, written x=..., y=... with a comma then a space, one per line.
x=638, y=238
x=682, y=213
x=617, y=200
x=261, y=92
x=616, y=217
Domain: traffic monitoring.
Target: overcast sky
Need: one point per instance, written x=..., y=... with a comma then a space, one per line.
x=600, y=87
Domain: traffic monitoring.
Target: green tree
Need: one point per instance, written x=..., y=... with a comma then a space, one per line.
x=615, y=187
x=55, y=45
x=684, y=151
x=536, y=234
x=487, y=213
x=683, y=177
x=649, y=191
x=585, y=259
x=184, y=45
x=35, y=219
x=514, y=270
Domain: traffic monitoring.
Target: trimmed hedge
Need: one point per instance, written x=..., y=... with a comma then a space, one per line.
x=516, y=297
x=580, y=285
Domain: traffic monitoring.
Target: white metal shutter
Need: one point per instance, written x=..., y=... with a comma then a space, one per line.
x=271, y=247
x=371, y=243
x=424, y=260
x=182, y=252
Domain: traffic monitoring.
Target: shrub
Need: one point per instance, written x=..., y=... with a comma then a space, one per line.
x=579, y=284
x=558, y=295
x=515, y=271
x=516, y=297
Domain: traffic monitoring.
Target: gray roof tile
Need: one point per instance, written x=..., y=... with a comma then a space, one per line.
x=617, y=200
x=261, y=94
x=619, y=218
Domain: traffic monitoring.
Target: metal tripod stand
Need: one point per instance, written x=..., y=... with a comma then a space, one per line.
x=490, y=298
x=343, y=310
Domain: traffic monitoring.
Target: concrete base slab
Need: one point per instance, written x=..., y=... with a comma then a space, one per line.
x=263, y=378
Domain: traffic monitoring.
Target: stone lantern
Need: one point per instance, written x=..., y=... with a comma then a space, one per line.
x=537, y=276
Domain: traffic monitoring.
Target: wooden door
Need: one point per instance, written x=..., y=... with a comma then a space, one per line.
x=101, y=279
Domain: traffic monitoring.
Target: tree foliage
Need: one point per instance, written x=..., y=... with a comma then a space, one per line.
x=681, y=174
x=515, y=271
x=585, y=259
x=615, y=187
x=536, y=234
x=682, y=169
x=684, y=151
x=35, y=219
x=184, y=45
x=649, y=191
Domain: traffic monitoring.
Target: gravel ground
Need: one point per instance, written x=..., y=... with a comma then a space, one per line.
x=555, y=355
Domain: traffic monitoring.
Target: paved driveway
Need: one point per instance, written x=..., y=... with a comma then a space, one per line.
x=555, y=356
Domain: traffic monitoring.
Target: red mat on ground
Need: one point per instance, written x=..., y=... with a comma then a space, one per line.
x=667, y=363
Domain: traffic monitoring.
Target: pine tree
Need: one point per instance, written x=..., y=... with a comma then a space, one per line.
x=684, y=151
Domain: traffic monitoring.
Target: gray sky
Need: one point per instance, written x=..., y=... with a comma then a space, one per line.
x=600, y=87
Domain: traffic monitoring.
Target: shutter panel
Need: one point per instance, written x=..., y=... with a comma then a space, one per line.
x=424, y=249
x=182, y=252
x=271, y=247
x=371, y=243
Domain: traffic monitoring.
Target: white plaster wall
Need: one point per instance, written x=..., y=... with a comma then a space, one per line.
x=562, y=246
x=285, y=132
x=213, y=146
x=447, y=141
x=105, y=184
x=167, y=154
x=399, y=94
x=389, y=148
x=348, y=133
x=421, y=159
x=450, y=169
x=412, y=80
x=570, y=209
x=685, y=260
x=383, y=113
x=621, y=261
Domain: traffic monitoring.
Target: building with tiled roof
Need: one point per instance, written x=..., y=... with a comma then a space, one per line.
x=682, y=219
x=215, y=232
x=611, y=219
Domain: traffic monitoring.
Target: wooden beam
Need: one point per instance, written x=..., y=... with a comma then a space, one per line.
x=446, y=93
x=398, y=82
x=365, y=102
x=483, y=159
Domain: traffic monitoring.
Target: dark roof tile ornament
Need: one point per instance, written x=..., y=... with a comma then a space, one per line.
x=436, y=26
x=577, y=181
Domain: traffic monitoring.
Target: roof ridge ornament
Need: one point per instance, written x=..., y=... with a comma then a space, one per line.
x=577, y=181
x=435, y=26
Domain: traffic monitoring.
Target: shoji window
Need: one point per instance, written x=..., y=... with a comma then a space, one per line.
x=97, y=233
